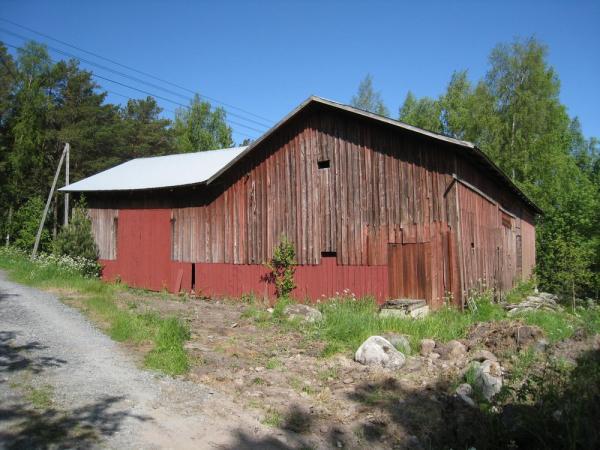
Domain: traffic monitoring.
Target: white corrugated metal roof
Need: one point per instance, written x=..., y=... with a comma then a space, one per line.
x=158, y=171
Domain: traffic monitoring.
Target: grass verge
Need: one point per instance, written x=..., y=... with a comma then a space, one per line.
x=348, y=321
x=167, y=335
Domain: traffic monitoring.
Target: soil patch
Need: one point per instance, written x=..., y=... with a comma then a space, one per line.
x=503, y=337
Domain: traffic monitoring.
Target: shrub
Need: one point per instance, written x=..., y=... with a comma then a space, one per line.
x=77, y=241
x=25, y=224
x=282, y=267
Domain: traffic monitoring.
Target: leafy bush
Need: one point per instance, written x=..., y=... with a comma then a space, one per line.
x=25, y=224
x=76, y=239
x=282, y=267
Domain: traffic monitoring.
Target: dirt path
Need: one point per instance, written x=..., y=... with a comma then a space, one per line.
x=64, y=384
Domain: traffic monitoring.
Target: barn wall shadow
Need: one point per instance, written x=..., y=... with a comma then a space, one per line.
x=439, y=420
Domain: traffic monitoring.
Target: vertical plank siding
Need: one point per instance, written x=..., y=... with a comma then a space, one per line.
x=377, y=183
x=384, y=187
x=105, y=229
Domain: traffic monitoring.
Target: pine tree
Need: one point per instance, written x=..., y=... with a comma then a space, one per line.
x=76, y=239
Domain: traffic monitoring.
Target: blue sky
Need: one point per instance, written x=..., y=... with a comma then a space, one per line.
x=266, y=57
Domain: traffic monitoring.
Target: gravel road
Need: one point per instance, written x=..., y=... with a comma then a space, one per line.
x=64, y=384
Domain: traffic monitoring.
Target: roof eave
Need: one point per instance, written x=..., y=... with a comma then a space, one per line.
x=158, y=188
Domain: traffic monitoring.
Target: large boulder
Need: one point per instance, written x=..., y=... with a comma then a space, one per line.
x=304, y=312
x=488, y=378
x=399, y=341
x=378, y=351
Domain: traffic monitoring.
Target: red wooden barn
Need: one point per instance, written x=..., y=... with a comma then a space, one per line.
x=372, y=205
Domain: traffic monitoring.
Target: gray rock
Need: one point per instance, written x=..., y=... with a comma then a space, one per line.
x=488, y=378
x=464, y=389
x=468, y=400
x=304, y=312
x=543, y=301
x=413, y=364
x=377, y=351
x=399, y=341
x=548, y=296
x=427, y=346
x=541, y=345
x=464, y=392
x=452, y=350
x=434, y=355
x=482, y=355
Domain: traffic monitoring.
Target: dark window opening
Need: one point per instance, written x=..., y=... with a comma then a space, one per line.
x=194, y=277
x=328, y=254
x=472, y=244
x=323, y=164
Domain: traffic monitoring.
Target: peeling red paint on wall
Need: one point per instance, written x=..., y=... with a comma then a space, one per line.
x=313, y=281
x=144, y=252
x=144, y=261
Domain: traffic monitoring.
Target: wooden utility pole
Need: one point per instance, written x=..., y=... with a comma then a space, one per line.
x=68, y=150
x=40, y=229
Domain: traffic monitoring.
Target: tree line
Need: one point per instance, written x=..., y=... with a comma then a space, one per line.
x=44, y=104
x=514, y=114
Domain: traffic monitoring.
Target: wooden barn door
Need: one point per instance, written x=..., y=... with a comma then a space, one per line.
x=409, y=270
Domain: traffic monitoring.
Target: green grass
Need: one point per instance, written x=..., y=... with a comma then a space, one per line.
x=520, y=291
x=273, y=363
x=326, y=374
x=168, y=335
x=40, y=398
x=273, y=418
x=556, y=325
x=347, y=323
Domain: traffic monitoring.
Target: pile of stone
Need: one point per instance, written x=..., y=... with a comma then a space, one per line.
x=539, y=302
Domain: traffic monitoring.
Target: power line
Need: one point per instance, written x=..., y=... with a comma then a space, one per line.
x=138, y=80
x=152, y=95
x=169, y=110
x=168, y=100
x=133, y=69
